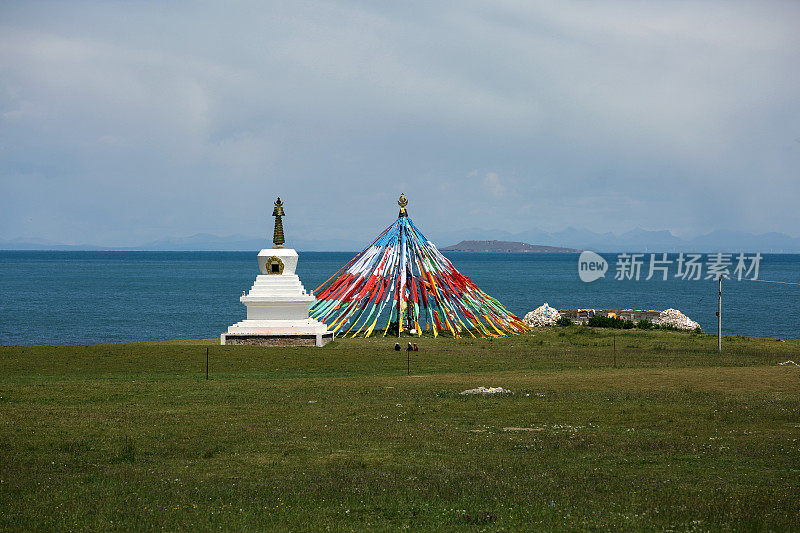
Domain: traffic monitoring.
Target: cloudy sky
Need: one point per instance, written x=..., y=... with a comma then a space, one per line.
x=123, y=122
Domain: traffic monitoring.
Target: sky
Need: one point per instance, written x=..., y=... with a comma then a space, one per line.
x=123, y=122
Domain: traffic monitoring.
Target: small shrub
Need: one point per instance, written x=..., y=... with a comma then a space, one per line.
x=563, y=321
x=609, y=322
x=645, y=324
x=600, y=322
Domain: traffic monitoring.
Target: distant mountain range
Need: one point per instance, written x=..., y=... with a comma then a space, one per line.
x=505, y=247
x=198, y=242
x=637, y=240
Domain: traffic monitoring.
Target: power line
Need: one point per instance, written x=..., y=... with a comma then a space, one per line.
x=770, y=281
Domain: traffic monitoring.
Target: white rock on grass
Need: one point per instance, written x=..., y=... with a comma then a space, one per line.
x=489, y=390
x=673, y=317
x=543, y=315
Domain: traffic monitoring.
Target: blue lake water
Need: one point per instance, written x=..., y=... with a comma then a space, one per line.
x=94, y=297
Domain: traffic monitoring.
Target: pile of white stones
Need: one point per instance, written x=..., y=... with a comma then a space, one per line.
x=542, y=316
x=673, y=317
x=487, y=390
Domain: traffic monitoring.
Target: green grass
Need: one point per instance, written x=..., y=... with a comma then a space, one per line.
x=133, y=437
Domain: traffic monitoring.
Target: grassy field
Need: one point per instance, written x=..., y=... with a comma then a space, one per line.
x=133, y=437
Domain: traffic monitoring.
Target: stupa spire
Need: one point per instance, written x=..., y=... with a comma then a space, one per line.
x=402, y=202
x=277, y=236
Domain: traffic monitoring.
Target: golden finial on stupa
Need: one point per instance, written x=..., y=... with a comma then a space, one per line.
x=402, y=202
x=277, y=236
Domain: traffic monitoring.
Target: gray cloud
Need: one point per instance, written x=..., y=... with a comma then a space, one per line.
x=126, y=121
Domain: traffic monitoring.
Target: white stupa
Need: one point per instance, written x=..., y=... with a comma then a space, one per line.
x=277, y=304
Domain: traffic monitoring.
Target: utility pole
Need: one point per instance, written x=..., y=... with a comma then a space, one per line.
x=719, y=317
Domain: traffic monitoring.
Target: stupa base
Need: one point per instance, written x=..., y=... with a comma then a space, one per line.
x=308, y=332
x=277, y=339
